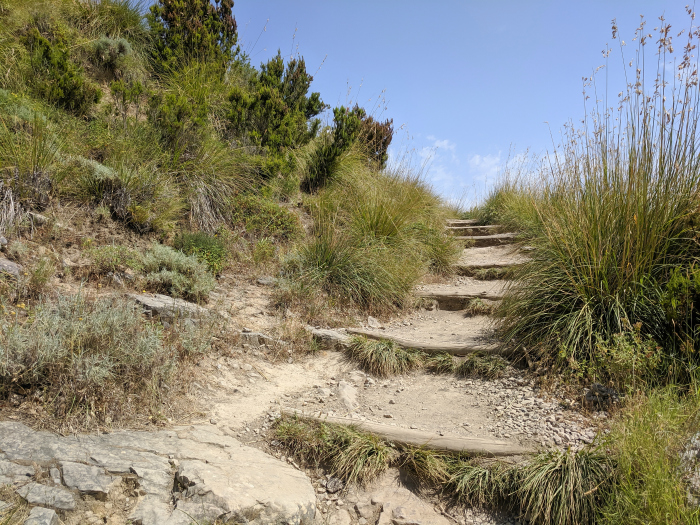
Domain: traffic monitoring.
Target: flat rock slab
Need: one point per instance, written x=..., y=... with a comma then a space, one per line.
x=451, y=297
x=220, y=476
x=481, y=241
x=169, y=307
x=10, y=268
x=441, y=331
x=461, y=222
x=475, y=230
x=86, y=478
x=42, y=516
x=56, y=497
x=490, y=257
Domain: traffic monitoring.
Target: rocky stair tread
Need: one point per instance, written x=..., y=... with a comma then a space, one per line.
x=458, y=297
x=471, y=345
x=475, y=230
x=468, y=445
x=504, y=256
x=461, y=222
x=481, y=241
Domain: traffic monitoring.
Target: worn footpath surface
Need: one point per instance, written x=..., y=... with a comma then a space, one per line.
x=222, y=465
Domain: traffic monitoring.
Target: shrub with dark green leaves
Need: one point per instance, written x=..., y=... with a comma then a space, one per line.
x=58, y=80
x=202, y=30
x=209, y=249
x=276, y=111
x=324, y=159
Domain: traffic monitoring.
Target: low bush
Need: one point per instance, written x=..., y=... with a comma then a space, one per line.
x=209, y=249
x=89, y=359
x=172, y=272
x=114, y=258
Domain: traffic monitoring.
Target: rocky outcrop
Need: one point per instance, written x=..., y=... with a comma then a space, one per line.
x=185, y=474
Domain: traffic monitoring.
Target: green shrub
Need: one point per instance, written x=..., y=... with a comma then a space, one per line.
x=89, y=358
x=142, y=195
x=196, y=29
x=113, y=19
x=176, y=274
x=209, y=249
x=275, y=111
x=262, y=218
x=28, y=162
x=114, y=258
x=58, y=80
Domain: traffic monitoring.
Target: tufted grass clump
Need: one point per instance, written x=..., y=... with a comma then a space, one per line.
x=87, y=359
x=564, y=487
x=617, y=223
x=383, y=358
x=477, y=365
x=173, y=273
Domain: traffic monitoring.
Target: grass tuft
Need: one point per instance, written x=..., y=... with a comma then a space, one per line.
x=383, y=358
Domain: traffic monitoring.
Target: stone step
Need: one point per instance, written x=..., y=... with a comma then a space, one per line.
x=489, y=229
x=476, y=344
x=476, y=260
x=481, y=241
x=461, y=222
x=474, y=446
x=454, y=298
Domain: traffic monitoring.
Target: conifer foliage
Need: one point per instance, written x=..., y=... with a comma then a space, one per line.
x=192, y=29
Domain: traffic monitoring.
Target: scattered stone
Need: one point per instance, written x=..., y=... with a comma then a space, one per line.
x=87, y=479
x=168, y=307
x=9, y=267
x=13, y=473
x=341, y=517
x=3, y=242
x=374, y=323
x=42, y=516
x=334, y=485
x=267, y=281
x=38, y=219
x=347, y=394
x=55, y=497
x=600, y=397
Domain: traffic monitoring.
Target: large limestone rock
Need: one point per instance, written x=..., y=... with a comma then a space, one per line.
x=189, y=473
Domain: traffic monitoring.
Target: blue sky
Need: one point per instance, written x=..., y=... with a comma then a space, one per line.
x=466, y=82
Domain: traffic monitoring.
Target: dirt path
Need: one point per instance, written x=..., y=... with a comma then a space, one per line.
x=246, y=392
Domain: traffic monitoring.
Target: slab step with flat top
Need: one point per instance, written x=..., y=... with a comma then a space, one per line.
x=461, y=222
x=489, y=229
x=453, y=298
x=491, y=257
x=481, y=241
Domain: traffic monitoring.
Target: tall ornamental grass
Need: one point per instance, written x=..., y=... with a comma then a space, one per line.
x=617, y=207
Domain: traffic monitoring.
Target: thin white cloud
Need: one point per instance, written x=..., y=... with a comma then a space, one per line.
x=484, y=167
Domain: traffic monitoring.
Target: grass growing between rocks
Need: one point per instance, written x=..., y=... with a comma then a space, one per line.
x=386, y=358
x=92, y=362
x=562, y=487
